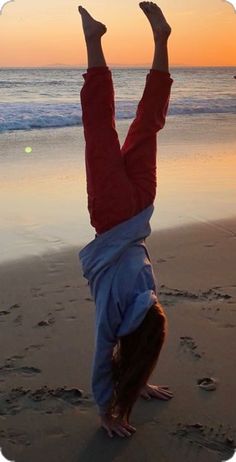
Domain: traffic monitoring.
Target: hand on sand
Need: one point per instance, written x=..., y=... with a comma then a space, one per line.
x=117, y=425
x=156, y=391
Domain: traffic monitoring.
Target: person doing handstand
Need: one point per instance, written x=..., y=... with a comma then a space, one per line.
x=130, y=323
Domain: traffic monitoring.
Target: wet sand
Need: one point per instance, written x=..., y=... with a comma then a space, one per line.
x=43, y=202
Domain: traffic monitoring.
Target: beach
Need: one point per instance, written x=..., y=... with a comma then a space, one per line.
x=47, y=315
x=43, y=201
x=47, y=320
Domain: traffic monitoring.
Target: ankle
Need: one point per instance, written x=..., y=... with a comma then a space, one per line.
x=93, y=40
x=160, y=40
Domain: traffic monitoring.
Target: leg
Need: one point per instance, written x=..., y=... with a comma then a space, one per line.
x=139, y=148
x=93, y=32
x=110, y=192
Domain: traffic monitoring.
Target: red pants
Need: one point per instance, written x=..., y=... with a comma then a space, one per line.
x=121, y=181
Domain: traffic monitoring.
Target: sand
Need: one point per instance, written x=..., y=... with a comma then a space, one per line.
x=47, y=412
x=43, y=201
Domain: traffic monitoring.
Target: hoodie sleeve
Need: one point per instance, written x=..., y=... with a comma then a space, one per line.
x=102, y=382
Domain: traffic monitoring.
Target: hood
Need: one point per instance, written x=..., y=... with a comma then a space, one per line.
x=136, y=313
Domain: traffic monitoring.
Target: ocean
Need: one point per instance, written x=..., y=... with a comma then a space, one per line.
x=43, y=200
x=40, y=98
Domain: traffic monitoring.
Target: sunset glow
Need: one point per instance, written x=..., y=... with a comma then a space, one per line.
x=50, y=33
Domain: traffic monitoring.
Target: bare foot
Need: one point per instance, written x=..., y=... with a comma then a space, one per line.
x=160, y=27
x=91, y=27
x=156, y=391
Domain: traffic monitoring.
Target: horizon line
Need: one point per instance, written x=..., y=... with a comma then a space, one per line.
x=109, y=65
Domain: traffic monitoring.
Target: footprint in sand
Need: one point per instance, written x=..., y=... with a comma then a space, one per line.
x=4, y=312
x=23, y=370
x=188, y=344
x=209, y=295
x=172, y=295
x=44, y=399
x=35, y=346
x=11, y=367
x=45, y=322
x=16, y=305
x=214, y=295
x=9, y=310
x=14, y=437
x=218, y=439
x=37, y=292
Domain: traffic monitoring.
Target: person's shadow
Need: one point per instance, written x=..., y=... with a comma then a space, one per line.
x=102, y=448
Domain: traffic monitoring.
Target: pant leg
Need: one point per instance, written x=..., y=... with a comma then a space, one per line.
x=140, y=147
x=111, y=197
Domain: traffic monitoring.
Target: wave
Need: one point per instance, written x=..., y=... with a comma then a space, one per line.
x=28, y=116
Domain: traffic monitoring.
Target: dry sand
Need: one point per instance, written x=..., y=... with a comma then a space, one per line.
x=46, y=325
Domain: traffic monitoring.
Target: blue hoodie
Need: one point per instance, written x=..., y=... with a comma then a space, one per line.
x=122, y=283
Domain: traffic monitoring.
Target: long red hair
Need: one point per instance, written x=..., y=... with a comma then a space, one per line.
x=134, y=359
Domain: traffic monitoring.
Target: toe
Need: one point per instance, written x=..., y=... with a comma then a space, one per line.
x=146, y=8
x=144, y=4
x=84, y=11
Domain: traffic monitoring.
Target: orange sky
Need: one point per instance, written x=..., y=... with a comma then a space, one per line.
x=41, y=33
